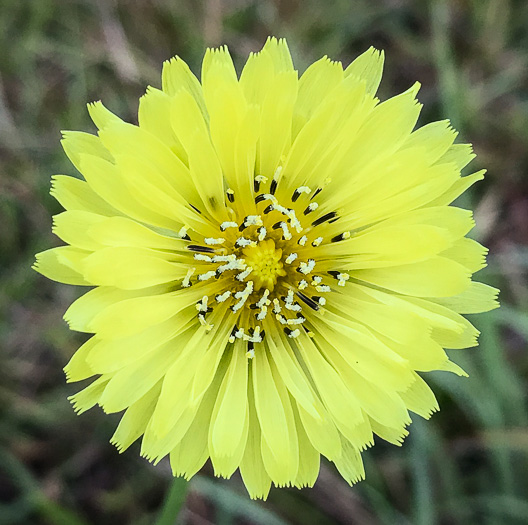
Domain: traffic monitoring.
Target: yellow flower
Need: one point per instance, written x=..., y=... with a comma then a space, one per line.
x=274, y=260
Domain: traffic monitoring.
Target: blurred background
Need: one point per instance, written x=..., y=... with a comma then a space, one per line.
x=468, y=465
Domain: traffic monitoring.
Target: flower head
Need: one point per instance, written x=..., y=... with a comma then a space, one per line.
x=274, y=259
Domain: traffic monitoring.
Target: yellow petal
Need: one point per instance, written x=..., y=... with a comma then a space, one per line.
x=131, y=268
x=62, y=264
x=479, y=297
x=435, y=277
x=369, y=68
x=135, y=420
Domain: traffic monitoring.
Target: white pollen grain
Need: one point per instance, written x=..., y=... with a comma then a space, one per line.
x=212, y=241
x=186, y=282
x=223, y=297
x=207, y=275
x=302, y=240
x=228, y=224
x=290, y=258
x=317, y=241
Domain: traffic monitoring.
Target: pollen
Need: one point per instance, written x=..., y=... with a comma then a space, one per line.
x=266, y=261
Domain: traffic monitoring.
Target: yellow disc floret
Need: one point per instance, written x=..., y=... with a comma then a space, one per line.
x=265, y=260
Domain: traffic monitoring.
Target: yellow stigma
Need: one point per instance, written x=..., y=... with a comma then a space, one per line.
x=266, y=262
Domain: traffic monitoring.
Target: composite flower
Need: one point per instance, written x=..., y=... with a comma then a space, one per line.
x=275, y=261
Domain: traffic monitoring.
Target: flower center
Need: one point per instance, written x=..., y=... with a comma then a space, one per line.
x=265, y=261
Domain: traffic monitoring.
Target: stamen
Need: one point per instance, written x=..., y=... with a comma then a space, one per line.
x=197, y=248
x=264, y=299
x=296, y=320
x=262, y=314
x=242, y=295
x=195, y=209
x=303, y=284
x=286, y=235
x=297, y=193
x=230, y=195
x=206, y=276
x=186, y=282
x=319, y=299
x=262, y=233
x=182, y=234
x=323, y=288
x=223, y=297
x=253, y=220
x=241, y=276
x=232, y=336
x=277, y=309
x=311, y=207
x=201, y=305
x=341, y=237
x=343, y=278
x=316, y=242
x=273, y=186
x=317, y=279
x=324, y=218
x=317, y=191
x=302, y=240
x=290, y=258
x=228, y=224
x=306, y=268
x=243, y=242
x=202, y=257
x=312, y=304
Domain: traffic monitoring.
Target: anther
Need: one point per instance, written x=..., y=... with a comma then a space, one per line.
x=195, y=209
x=341, y=237
x=303, y=284
x=297, y=193
x=212, y=240
x=311, y=207
x=243, y=275
x=342, y=279
x=316, y=242
x=268, y=209
x=324, y=218
x=262, y=233
x=323, y=288
x=302, y=240
x=182, y=234
x=230, y=195
x=223, y=297
x=228, y=224
x=290, y=258
x=306, y=268
x=206, y=276
x=259, y=198
x=317, y=191
x=311, y=303
x=186, y=282
x=197, y=248
x=318, y=299
x=202, y=257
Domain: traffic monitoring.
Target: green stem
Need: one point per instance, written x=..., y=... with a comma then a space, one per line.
x=173, y=503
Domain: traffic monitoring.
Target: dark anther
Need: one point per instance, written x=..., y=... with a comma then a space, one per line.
x=273, y=186
x=197, y=248
x=185, y=238
x=316, y=298
x=251, y=346
x=312, y=304
x=256, y=185
x=212, y=200
x=234, y=331
x=324, y=218
x=277, y=225
x=296, y=195
x=338, y=238
x=230, y=195
x=317, y=191
x=262, y=334
x=307, y=210
x=260, y=198
x=334, y=220
x=195, y=208
x=243, y=226
x=287, y=330
x=268, y=209
x=334, y=273
x=253, y=306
